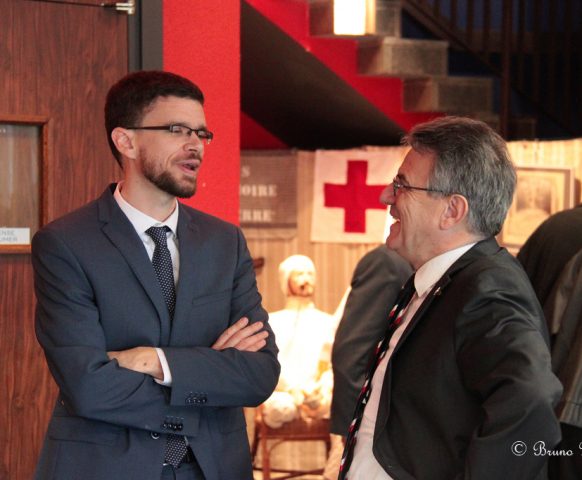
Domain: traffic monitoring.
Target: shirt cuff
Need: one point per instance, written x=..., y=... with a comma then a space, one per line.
x=167, y=382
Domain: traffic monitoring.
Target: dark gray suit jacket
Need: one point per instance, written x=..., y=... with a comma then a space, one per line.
x=546, y=252
x=377, y=279
x=470, y=377
x=97, y=291
x=563, y=312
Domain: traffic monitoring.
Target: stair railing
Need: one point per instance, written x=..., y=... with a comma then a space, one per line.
x=533, y=46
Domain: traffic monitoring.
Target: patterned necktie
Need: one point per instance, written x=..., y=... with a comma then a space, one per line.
x=176, y=447
x=394, y=320
x=162, y=262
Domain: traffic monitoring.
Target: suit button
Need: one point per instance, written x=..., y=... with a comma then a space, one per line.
x=154, y=435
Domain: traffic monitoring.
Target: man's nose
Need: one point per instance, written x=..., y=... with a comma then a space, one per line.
x=194, y=143
x=387, y=195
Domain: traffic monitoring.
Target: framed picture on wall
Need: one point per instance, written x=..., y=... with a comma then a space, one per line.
x=540, y=192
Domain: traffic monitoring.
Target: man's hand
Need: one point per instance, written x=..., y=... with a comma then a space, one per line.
x=242, y=336
x=139, y=359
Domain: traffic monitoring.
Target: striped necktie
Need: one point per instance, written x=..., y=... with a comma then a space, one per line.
x=394, y=320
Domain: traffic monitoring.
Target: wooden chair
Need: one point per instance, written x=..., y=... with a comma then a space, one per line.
x=298, y=430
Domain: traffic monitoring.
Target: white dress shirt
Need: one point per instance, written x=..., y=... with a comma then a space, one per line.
x=364, y=465
x=141, y=222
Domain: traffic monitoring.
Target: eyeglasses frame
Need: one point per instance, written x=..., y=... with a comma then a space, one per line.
x=189, y=131
x=396, y=185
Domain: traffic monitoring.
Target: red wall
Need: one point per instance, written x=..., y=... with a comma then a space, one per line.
x=202, y=43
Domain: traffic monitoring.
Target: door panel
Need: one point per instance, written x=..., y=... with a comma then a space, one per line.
x=57, y=62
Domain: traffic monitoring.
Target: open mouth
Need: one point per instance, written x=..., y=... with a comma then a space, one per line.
x=190, y=166
x=394, y=215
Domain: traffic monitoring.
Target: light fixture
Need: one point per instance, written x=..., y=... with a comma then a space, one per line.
x=351, y=17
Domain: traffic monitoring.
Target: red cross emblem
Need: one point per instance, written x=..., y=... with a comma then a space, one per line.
x=355, y=197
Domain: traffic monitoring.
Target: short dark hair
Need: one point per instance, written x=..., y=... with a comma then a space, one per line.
x=470, y=159
x=129, y=99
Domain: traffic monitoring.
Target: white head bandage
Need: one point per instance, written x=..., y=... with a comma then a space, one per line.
x=294, y=263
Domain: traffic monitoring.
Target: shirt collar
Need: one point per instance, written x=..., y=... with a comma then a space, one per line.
x=140, y=221
x=429, y=273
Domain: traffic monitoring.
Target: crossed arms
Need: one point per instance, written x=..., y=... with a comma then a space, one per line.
x=81, y=312
x=240, y=335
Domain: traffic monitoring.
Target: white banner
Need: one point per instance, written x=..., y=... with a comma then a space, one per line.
x=346, y=189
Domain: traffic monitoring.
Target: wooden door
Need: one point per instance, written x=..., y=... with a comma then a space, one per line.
x=57, y=61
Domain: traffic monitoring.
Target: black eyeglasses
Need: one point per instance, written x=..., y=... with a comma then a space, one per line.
x=203, y=134
x=396, y=185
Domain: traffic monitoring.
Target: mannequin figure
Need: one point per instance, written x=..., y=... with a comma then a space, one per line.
x=304, y=336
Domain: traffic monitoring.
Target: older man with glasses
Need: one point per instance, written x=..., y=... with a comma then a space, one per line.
x=460, y=386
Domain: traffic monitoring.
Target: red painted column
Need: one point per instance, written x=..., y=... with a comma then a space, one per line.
x=202, y=43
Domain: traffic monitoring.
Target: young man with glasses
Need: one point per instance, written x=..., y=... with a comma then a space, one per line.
x=148, y=310
x=461, y=385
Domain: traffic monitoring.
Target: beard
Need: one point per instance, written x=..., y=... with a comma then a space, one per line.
x=165, y=181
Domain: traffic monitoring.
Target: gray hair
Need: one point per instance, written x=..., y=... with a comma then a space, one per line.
x=471, y=160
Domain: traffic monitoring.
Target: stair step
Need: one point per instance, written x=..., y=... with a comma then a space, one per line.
x=388, y=18
x=448, y=94
x=385, y=21
x=402, y=57
x=321, y=17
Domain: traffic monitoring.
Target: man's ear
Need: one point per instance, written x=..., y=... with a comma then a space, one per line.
x=457, y=209
x=124, y=141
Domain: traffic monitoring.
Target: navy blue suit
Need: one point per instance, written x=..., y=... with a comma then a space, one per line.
x=97, y=291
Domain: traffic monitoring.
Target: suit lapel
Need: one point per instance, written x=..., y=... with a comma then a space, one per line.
x=385, y=396
x=435, y=292
x=191, y=264
x=485, y=247
x=123, y=236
